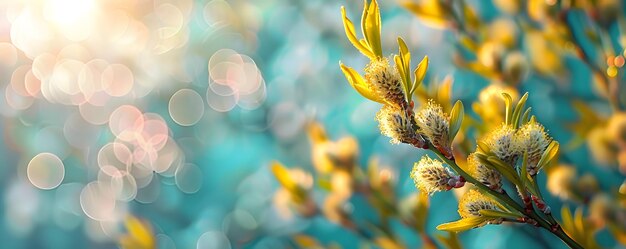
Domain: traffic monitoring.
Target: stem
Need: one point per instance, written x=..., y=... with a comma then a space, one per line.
x=550, y=217
x=503, y=198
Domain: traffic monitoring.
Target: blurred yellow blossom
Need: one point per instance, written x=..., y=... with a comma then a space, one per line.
x=139, y=236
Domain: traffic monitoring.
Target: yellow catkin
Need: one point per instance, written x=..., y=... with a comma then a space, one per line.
x=434, y=124
x=385, y=80
x=501, y=143
x=473, y=201
x=532, y=139
x=429, y=175
x=484, y=174
x=395, y=123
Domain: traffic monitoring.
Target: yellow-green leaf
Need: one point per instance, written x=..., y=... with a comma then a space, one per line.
x=282, y=175
x=405, y=59
x=497, y=214
x=518, y=110
x=358, y=83
x=456, y=119
x=548, y=155
x=506, y=170
x=483, y=147
x=526, y=179
x=430, y=11
x=526, y=116
x=463, y=224
x=139, y=235
x=351, y=34
x=420, y=73
x=371, y=26
x=508, y=102
x=421, y=212
x=451, y=242
x=400, y=67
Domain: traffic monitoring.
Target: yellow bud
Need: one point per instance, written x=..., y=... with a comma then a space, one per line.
x=434, y=124
x=473, y=201
x=429, y=175
x=484, y=174
x=532, y=139
x=500, y=143
x=385, y=81
x=395, y=123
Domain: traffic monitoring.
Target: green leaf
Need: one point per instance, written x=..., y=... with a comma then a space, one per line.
x=568, y=219
x=497, y=214
x=508, y=102
x=526, y=179
x=518, y=110
x=420, y=73
x=456, y=119
x=358, y=83
x=506, y=170
x=484, y=148
x=463, y=224
x=548, y=155
x=363, y=47
x=525, y=117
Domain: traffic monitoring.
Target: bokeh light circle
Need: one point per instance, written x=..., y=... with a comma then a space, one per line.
x=188, y=178
x=45, y=171
x=213, y=240
x=98, y=201
x=186, y=107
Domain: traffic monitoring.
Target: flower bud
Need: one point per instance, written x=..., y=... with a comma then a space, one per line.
x=500, y=143
x=532, y=139
x=434, y=124
x=473, y=201
x=395, y=122
x=385, y=80
x=429, y=176
x=484, y=174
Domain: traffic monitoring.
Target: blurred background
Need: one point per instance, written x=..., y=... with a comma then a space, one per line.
x=172, y=112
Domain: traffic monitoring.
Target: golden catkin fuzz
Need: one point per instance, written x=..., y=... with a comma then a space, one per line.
x=501, y=143
x=473, y=201
x=484, y=174
x=532, y=139
x=429, y=175
x=434, y=124
x=396, y=124
x=385, y=80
